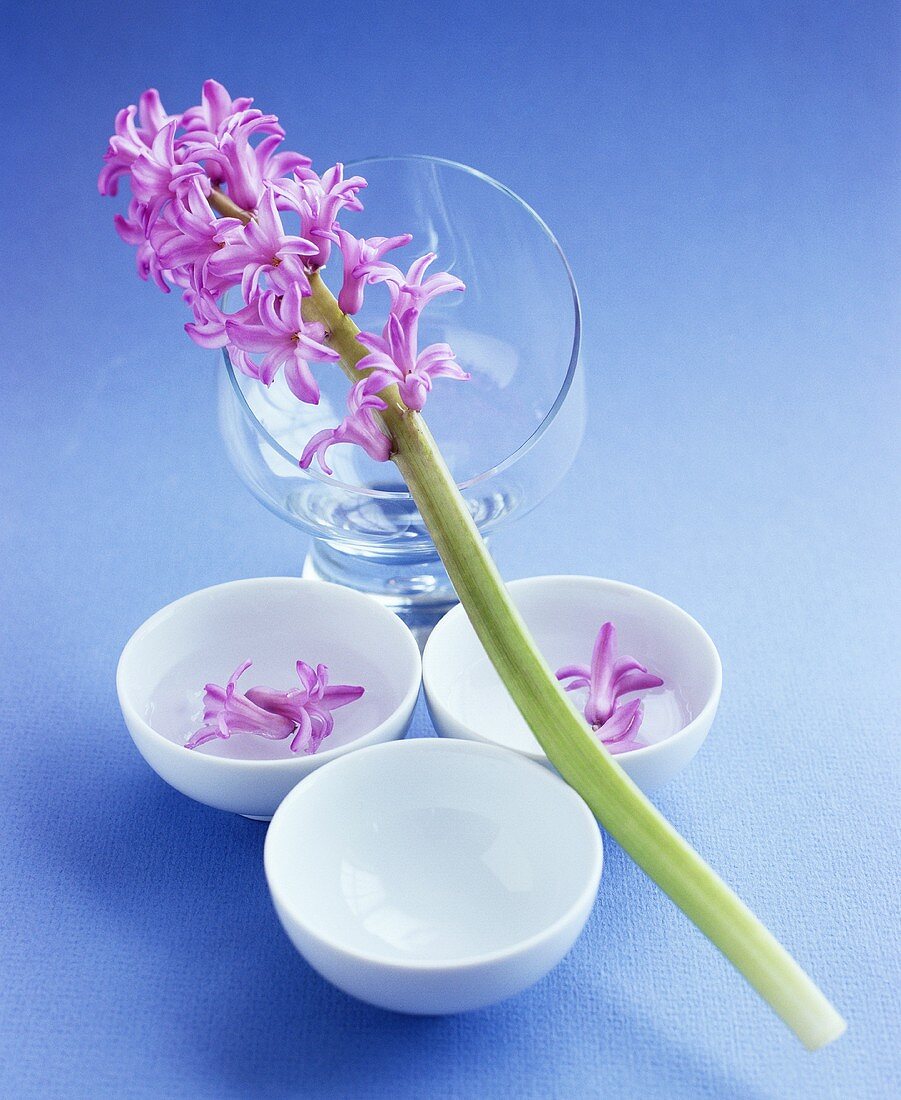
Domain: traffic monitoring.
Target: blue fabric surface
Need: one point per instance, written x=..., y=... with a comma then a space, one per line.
x=720, y=176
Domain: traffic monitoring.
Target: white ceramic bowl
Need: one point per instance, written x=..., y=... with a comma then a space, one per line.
x=433, y=876
x=273, y=621
x=467, y=700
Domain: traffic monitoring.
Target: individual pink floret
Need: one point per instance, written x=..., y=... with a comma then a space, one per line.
x=275, y=325
x=607, y=679
x=364, y=262
x=359, y=427
x=310, y=706
x=393, y=359
x=304, y=714
x=227, y=711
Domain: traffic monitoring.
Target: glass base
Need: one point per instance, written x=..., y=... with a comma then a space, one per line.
x=417, y=589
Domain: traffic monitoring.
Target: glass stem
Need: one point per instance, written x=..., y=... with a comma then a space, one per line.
x=579, y=757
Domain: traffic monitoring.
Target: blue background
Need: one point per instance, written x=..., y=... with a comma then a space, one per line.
x=721, y=177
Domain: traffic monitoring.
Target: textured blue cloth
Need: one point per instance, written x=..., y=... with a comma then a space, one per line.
x=720, y=178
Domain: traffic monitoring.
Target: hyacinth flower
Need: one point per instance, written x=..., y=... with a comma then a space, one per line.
x=606, y=680
x=364, y=263
x=317, y=202
x=136, y=129
x=279, y=329
x=226, y=711
x=304, y=714
x=359, y=427
x=393, y=358
x=157, y=175
x=413, y=290
x=216, y=108
x=310, y=706
x=263, y=249
x=250, y=182
x=607, y=677
x=186, y=239
x=232, y=161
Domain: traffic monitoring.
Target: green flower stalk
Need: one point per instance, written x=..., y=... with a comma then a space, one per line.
x=180, y=167
x=623, y=810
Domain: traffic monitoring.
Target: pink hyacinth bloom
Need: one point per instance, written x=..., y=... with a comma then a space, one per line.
x=208, y=327
x=309, y=706
x=135, y=130
x=130, y=227
x=244, y=169
x=393, y=358
x=132, y=230
x=157, y=175
x=358, y=427
x=263, y=249
x=188, y=235
x=175, y=161
x=227, y=711
x=619, y=732
x=277, y=327
x=363, y=264
x=215, y=107
x=607, y=679
x=317, y=201
x=413, y=290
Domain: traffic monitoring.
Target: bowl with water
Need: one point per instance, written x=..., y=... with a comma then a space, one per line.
x=467, y=699
x=274, y=622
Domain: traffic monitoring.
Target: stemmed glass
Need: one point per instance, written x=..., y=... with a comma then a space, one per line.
x=509, y=435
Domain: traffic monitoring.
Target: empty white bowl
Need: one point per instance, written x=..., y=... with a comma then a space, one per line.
x=433, y=876
x=467, y=700
x=274, y=622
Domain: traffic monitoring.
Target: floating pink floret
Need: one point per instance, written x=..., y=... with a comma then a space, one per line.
x=607, y=679
x=304, y=714
x=309, y=706
x=227, y=711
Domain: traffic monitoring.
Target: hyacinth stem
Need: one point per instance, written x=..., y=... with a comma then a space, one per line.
x=581, y=760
